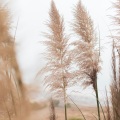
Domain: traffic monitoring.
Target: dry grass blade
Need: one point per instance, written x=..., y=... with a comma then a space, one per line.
x=78, y=108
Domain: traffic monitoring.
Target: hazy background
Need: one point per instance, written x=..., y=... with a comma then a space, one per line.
x=32, y=15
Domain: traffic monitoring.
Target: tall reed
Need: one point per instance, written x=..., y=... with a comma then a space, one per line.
x=57, y=72
x=86, y=52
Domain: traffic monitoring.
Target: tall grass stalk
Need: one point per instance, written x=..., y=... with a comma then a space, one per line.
x=78, y=108
x=86, y=53
x=57, y=73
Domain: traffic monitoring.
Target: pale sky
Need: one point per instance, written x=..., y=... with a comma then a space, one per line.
x=32, y=16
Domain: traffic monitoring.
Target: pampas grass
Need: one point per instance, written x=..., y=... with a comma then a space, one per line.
x=57, y=72
x=86, y=54
x=56, y=47
x=12, y=95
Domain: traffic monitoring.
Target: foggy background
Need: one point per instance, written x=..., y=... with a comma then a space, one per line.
x=31, y=16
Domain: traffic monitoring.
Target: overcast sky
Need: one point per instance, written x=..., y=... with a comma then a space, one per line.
x=33, y=14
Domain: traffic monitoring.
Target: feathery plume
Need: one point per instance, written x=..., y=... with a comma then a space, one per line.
x=58, y=75
x=86, y=54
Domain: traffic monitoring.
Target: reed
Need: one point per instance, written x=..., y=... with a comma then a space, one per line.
x=86, y=52
x=57, y=72
x=10, y=77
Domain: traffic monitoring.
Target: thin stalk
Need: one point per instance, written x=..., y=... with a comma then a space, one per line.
x=52, y=110
x=102, y=110
x=99, y=43
x=94, y=116
x=65, y=111
x=16, y=29
x=96, y=90
x=97, y=100
x=65, y=104
x=64, y=87
x=78, y=108
x=108, y=107
x=18, y=87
